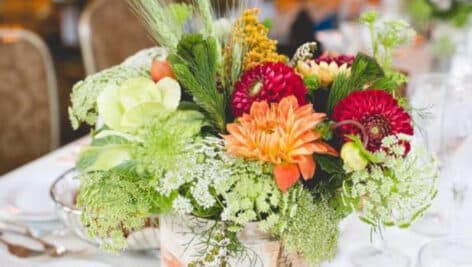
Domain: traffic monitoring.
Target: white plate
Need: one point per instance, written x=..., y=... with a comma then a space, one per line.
x=27, y=201
x=74, y=263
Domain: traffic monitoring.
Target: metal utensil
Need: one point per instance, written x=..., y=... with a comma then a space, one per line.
x=49, y=249
x=19, y=250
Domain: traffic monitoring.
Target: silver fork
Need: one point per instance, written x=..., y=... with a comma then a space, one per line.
x=49, y=249
x=19, y=250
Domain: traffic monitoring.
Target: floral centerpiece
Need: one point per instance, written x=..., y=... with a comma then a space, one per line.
x=249, y=158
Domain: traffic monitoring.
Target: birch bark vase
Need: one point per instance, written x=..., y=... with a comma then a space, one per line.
x=178, y=232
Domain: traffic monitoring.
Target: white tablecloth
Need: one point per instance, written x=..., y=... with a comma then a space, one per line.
x=354, y=234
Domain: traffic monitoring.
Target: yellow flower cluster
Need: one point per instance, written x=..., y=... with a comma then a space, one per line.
x=326, y=73
x=254, y=38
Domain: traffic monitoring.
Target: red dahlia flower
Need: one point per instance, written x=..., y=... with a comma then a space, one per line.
x=269, y=82
x=377, y=111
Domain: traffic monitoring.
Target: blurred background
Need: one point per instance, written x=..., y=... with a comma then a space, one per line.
x=46, y=46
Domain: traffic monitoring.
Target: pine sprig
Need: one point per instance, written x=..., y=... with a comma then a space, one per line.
x=195, y=65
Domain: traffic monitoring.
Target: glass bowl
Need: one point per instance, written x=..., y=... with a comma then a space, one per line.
x=64, y=193
x=447, y=252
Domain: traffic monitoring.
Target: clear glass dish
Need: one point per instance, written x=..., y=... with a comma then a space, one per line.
x=64, y=193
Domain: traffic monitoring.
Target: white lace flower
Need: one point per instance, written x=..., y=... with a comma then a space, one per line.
x=182, y=205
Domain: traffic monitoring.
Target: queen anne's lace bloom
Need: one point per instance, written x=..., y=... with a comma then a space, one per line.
x=182, y=205
x=397, y=190
x=246, y=187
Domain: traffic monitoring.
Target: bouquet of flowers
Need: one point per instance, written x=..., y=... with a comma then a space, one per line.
x=249, y=158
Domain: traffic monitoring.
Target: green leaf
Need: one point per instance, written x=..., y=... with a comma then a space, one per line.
x=369, y=17
x=324, y=129
x=330, y=164
x=268, y=23
x=386, y=84
x=86, y=159
x=102, y=158
x=339, y=90
x=195, y=65
x=181, y=13
x=110, y=140
x=365, y=70
x=364, y=152
x=312, y=83
x=187, y=105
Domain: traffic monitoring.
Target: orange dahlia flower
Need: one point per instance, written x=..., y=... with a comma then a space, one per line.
x=280, y=133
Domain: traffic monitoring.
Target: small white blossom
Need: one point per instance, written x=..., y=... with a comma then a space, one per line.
x=182, y=205
x=397, y=189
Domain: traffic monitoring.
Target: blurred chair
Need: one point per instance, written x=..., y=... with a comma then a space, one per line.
x=109, y=32
x=29, y=115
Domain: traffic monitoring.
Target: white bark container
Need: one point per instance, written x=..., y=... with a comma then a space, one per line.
x=176, y=235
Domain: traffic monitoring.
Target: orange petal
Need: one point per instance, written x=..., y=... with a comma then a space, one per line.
x=307, y=167
x=259, y=108
x=170, y=260
x=286, y=175
x=323, y=148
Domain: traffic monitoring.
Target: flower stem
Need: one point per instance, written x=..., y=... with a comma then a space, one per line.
x=365, y=136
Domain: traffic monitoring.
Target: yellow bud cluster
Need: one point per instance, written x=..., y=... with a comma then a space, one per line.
x=253, y=36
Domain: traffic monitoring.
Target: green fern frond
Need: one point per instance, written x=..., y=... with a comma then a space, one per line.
x=195, y=65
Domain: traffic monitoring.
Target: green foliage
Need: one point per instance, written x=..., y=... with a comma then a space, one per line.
x=164, y=22
x=386, y=36
x=101, y=158
x=181, y=13
x=394, y=191
x=235, y=64
x=115, y=201
x=365, y=70
x=268, y=23
x=330, y=182
x=389, y=84
x=195, y=65
x=312, y=83
x=164, y=138
x=219, y=186
x=110, y=140
x=340, y=89
x=205, y=10
x=307, y=227
x=377, y=72
x=325, y=130
x=250, y=193
x=330, y=164
x=364, y=152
